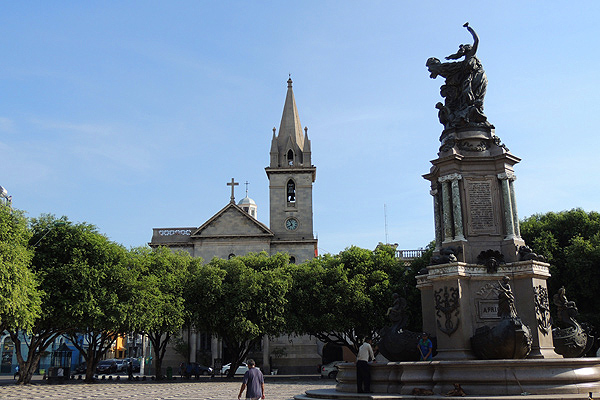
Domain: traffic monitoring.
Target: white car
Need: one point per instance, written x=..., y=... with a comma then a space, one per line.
x=240, y=371
x=330, y=370
x=121, y=366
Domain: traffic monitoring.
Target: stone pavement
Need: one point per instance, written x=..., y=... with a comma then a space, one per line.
x=177, y=390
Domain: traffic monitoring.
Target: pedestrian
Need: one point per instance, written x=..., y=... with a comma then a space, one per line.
x=254, y=382
x=16, y=373
x=130, y=370
x=425, y=347
x=363, y=370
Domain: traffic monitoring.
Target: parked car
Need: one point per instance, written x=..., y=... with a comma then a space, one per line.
x=194, y=369
x=136, y=364
x=240, y=371
x=106, y=367
x=121, y=365
x=330, y=370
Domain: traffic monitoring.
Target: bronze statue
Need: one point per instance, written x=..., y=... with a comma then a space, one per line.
x=506, y=300
x=566, y=310
x=465, y=86
x=397, y=313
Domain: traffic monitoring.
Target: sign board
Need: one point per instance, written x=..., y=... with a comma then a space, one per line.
x=488, y=309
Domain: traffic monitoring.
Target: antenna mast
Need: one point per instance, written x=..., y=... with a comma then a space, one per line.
x=385, y=219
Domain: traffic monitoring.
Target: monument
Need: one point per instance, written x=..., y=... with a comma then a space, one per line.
x=484, y=298
x=477, y=227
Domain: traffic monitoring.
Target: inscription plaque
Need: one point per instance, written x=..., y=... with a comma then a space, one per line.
x=481, y=210
x=488, y=309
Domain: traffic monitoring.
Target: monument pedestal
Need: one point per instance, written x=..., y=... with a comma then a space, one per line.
x=495, y=378
x=465, y=298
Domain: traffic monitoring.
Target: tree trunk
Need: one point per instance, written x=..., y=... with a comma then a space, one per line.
x=37, y=346
x=240, y=351
x=97, y=347
x=159, y=346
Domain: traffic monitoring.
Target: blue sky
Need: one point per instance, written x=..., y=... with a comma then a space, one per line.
x=132, y=115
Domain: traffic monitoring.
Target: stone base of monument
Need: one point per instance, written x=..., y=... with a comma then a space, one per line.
x=548, y=377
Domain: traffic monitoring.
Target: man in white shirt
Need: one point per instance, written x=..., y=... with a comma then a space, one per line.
x=363, y=373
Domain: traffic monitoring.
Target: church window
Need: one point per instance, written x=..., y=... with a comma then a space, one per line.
x=252, y=213
x=246, y=209
x=205, y=340
x=290, y=157
x=291, y=191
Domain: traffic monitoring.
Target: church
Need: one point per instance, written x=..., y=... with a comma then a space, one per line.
x=235, y=230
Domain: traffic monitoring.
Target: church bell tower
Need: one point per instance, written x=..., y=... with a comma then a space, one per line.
x=291, y=176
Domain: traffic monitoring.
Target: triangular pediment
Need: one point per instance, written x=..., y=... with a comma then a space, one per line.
x=232, y=221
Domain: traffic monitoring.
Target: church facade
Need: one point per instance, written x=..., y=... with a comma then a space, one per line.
x=235, y=230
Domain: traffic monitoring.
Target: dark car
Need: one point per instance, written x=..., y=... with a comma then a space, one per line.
x=106, y=367
x=194, y=369
x=136, y=364
x=81, y=368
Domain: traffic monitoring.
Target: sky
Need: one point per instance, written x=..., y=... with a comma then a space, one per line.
x=133, y=115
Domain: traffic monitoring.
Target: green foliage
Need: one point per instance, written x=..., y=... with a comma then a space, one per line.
x=20, y=302
x=85, y=290
x=83, y=276
x=340, y=298
x=247, y=299
x=159, y=286
x=570, y=241
x=160, y=276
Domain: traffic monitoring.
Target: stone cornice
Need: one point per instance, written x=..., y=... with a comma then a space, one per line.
x=459, y=269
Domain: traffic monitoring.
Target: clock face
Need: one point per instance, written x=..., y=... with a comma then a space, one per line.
x=291, y=224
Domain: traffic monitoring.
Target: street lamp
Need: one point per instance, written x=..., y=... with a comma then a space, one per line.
x=48, y=229
x=7, y=200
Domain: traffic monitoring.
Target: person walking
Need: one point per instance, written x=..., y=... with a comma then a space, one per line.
x=130, y=370
x=254, y=382
x=363, y=370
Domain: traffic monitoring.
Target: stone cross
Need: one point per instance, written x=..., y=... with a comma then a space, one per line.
x=233, y=184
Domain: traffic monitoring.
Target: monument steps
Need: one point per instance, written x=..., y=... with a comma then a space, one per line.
x=332, y=394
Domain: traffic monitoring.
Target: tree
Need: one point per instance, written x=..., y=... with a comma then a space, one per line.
x=341, y=298
x=20, y=302
x=83, y=281
x=250, y=301
x=570, y=241
x=160, y=307
x=99, y=297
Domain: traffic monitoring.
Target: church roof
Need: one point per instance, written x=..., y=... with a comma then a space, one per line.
x=232, y=221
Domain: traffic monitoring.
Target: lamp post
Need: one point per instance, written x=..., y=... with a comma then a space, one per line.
x=48, y=229
x=6, y=199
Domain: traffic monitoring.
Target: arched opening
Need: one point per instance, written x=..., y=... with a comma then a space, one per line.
x=290, y=157
x=292, y=260
x=6, y=349
x=291, y=191
x=231, y=255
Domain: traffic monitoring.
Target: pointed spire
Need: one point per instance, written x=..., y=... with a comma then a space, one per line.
x=290, y=121
x=306, y=141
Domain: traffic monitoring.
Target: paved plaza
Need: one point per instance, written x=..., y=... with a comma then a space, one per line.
x=178, y=390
